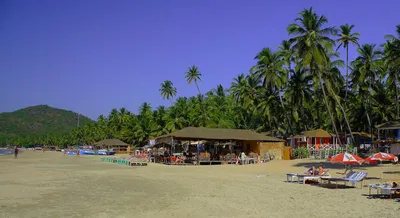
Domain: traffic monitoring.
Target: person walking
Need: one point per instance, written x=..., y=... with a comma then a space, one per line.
x=16, y=150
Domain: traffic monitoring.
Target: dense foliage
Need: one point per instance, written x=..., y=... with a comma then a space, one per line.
x=298, y=86
x=38, y=125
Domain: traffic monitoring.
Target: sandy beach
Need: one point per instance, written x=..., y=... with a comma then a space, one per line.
x=52, y=185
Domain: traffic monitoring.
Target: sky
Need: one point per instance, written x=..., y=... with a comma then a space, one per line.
x=91, y=56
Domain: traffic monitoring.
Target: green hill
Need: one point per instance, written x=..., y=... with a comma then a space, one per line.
x=40, y=119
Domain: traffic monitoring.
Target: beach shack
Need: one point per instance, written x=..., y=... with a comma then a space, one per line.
x=316, y=139
x=115, y=145
x=237, y=140
x=389, y=136
x=363, y=140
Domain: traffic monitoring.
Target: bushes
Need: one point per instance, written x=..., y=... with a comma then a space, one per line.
x=301, y=152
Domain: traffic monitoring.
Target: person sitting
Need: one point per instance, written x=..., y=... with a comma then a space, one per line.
x=320, y=171
x=311, y=171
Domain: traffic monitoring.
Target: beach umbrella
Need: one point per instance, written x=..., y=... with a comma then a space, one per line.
x=381, y=156
x=346, y=158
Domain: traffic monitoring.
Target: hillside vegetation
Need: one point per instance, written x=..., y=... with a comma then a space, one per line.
x=39, y=120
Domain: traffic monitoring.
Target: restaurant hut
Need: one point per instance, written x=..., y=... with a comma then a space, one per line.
x=363, y=140
x=237, y=140
x=116, y=145
x=390, y=136
x=319, y=138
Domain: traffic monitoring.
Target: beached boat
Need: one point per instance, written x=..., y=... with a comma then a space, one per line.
x=87, y=152
x=71, y=153
x=105, y=152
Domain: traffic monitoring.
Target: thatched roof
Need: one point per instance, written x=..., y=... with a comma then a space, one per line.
x=298, y=136
x=318, y=133
x=201, y=133
x=395, y=124
x=111, y=142
x=363, y=134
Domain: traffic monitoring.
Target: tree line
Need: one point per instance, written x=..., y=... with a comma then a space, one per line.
x=295, y=87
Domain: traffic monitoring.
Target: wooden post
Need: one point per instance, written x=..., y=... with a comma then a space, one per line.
x=198, y=153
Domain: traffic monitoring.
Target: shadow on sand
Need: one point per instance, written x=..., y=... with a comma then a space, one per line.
x=392, y=172
x=378, y=196
x=329, y=165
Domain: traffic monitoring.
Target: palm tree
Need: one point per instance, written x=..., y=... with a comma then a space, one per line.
x=367, y=68
x=311, y=43
x=287, y=54
x=299, y=94
x=270, y=68
x=346, y=38
x=392, y=61
x=194, y=75
x=167, y=90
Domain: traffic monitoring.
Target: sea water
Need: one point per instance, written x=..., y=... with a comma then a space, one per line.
x=5, y=152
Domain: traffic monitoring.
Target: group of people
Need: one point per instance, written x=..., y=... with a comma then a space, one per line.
x=316, y=171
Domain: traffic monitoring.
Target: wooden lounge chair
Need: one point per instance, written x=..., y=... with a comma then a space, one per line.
x=352, y=177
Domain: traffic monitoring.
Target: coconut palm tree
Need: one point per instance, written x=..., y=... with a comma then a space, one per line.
x=299, y=95
x=392, y=61
x=167, y=90
x=346, y=38
x=287, y=54
x=194, y=75
x=270, y=69
x=367, y=68
x=311, y=43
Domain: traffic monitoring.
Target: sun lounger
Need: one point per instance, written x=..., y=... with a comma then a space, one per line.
x=291, y=176
x=303, y=178
x=389, y=191
x=351, y=177
x=385, y=189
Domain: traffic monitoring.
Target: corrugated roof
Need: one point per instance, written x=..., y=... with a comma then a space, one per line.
x=111, y=142
x=201, y=133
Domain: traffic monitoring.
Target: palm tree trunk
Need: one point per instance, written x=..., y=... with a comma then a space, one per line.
x=370, y=108
x=345, y=118
x=369, y=122
x=347, y=75
x=397, y=96
x=345, y=95
x=329, y=110
x=201, y=103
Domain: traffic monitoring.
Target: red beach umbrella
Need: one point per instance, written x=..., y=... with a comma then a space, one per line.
x=381, y=157
x=346, y=158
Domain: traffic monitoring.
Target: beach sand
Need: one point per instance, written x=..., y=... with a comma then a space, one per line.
x=52, y=185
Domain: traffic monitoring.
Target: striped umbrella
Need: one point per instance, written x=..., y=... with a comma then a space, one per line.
x=346, y=158
x=381, y=157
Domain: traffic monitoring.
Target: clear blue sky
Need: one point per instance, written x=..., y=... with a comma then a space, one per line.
x=94, y=55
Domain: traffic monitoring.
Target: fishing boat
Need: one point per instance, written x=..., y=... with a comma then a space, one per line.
x=86, y=152
x=71, y=152
x=105, y=152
